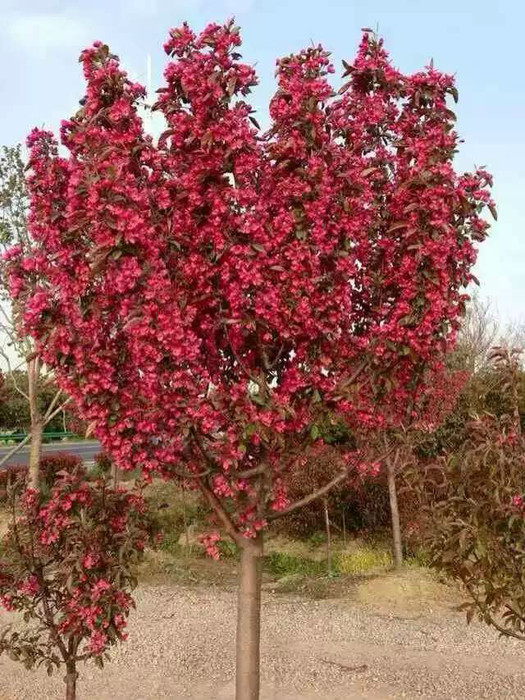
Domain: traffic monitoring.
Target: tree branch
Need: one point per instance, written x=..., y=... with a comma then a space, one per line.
x=360, y=368
x=13, y=375
x=261, y=469
x=239, y=361
x=15, y=449
x=22, y=443
x=482, y=607
x=320, y=492
x=49, y=416
x=223, y=516
x=184, y=474
x=53, y=403
x=311, y=497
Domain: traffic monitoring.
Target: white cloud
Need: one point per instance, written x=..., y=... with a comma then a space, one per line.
x=47, y=32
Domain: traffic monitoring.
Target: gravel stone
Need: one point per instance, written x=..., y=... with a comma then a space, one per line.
x=181, y=646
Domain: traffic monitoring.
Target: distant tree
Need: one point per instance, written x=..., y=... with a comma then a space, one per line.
x=17, y=349
x=478, y=334
x=25, y=374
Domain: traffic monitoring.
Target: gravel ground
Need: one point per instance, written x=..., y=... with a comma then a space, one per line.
x=182, y=639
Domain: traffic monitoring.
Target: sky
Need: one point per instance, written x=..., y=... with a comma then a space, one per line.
x=478, y=40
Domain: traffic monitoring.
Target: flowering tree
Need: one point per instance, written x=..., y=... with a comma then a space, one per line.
x=403, y=436
x=208, y=298
x=477, y=533
x=65, y=566
x=32, y=391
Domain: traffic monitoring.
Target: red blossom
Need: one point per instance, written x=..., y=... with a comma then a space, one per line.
x=74, y=578
x=204, y=298
x=209, y=542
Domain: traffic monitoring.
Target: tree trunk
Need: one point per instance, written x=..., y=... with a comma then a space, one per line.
x=114, y=475
x=71, y=680
x=394, y=512
x=249, y=620
x=328, y=538
x=35, y=450
x=185, y=518
x=37, y=426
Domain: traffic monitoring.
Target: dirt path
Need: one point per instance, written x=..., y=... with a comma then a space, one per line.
x=181, y=647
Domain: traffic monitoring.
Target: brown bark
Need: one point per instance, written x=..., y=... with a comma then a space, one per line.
x=185, y=517
x=71, y=680
x=37, y=424
x=394, y=512
x=249, y=620
x=328, y=538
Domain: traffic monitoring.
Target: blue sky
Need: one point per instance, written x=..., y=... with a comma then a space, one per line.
x=478, y=40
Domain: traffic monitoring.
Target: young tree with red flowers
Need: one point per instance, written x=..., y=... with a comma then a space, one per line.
x=401, y=436
x=207, y=299
x=66, y=567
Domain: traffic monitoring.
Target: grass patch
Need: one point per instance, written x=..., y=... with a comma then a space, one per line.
x=289, y=566
x=282, y=564
x=363, y=560
x=420, y=558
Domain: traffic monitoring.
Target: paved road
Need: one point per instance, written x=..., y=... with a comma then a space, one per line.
x=86, y=450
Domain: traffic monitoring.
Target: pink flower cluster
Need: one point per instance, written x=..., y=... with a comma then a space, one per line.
x=202, y=297
x=71, y=564
x=209, y=542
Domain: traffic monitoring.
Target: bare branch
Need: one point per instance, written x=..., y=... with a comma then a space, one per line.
x=15, y=449
x=13, y=375
x=184, y=474
x=53, y=403
x=224, y=517
x=321, y=491
x=311, y=497
x=22, y=443
x=48, y=418
x=261, y=469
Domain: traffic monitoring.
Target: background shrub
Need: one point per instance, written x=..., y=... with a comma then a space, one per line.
x=477, y=530
x=50, y=466
x=363, y=503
